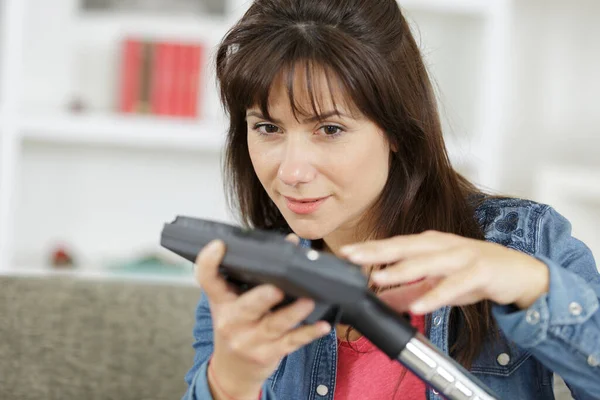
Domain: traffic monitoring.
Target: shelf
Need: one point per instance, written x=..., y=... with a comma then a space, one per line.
x=194, y=27
x=474, y=7
x=125, y=131
x=142, y=132
x=99, y=275
x=178, y=27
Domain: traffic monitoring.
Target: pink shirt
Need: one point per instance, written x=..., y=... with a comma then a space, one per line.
x=369, y=374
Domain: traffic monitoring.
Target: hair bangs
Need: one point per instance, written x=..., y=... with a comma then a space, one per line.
x=315, y=89
x=315, y=84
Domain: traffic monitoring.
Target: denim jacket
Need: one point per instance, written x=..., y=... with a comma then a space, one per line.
x=559, y=333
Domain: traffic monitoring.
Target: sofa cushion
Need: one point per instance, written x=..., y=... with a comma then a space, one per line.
x=71, y=338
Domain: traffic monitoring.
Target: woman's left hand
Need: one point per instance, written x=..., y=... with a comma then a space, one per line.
x=453, y=271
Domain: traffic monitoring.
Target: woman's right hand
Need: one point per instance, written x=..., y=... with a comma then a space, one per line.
x=249, y=339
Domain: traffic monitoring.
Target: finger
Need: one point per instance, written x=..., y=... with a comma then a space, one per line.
x=435, y=264
x=466, y=286
x=293, y=238
x=401, y=298
x=302, y=336
x=278, y=323
x=397, y=248
x=252, y=305
x=207, y=275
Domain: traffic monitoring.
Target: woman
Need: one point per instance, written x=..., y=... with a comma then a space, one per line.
x=334, y=136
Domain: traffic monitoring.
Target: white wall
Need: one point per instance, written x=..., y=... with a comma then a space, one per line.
x=553, y=118
x=453, y=52
x=554, y=111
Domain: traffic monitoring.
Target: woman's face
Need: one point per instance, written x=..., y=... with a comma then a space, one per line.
x=322, y=175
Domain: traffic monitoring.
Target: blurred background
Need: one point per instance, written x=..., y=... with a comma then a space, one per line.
x=110, y=124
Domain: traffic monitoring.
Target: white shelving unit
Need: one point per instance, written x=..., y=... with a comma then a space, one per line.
x=476, y=7
x=124, y=131
x=38, y=272
x=50, y=157
x=12, y=16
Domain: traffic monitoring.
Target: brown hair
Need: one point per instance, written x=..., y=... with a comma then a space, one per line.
x=367, y=46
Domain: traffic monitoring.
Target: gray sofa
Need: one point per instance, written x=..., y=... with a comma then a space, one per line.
x=70, y=338
x=66, y=338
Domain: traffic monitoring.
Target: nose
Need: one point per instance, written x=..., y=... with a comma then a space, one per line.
x=296, y=165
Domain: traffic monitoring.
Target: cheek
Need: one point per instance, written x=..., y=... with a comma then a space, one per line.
x=263, y=162
x=364, y=169
x=257, y=159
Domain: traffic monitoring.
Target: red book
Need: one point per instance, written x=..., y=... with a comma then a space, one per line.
x=176, y=79
x=197, y=59
x=182, y=80
x=157, y=90
x=187, y=81
x=167, y=79
x=131, y=64
x=179, y=80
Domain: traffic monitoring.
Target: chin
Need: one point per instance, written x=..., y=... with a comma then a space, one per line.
x=310, y=230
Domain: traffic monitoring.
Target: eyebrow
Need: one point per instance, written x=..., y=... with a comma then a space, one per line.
x=306, y=121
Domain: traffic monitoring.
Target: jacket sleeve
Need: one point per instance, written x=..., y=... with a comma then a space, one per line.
x=562, y=328
x=196, y=378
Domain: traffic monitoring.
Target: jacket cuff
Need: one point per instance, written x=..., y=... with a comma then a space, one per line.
x=199, y=386
x=201, y=389
x=569, y=301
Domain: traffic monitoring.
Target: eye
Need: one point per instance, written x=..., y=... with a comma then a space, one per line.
x=331, y=131
x=266, y=129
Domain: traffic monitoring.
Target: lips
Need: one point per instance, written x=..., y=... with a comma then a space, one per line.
x=306, y=205
x=304, y=200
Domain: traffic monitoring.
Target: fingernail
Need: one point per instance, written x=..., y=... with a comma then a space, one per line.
x=325, y=328
x=271, y=293
x=418, y=307
x=347, y=250
x=357, y=258
x=380, y=276
x=212, y=247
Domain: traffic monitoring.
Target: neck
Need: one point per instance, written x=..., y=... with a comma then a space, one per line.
x=332, y=244
x=340, y=238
